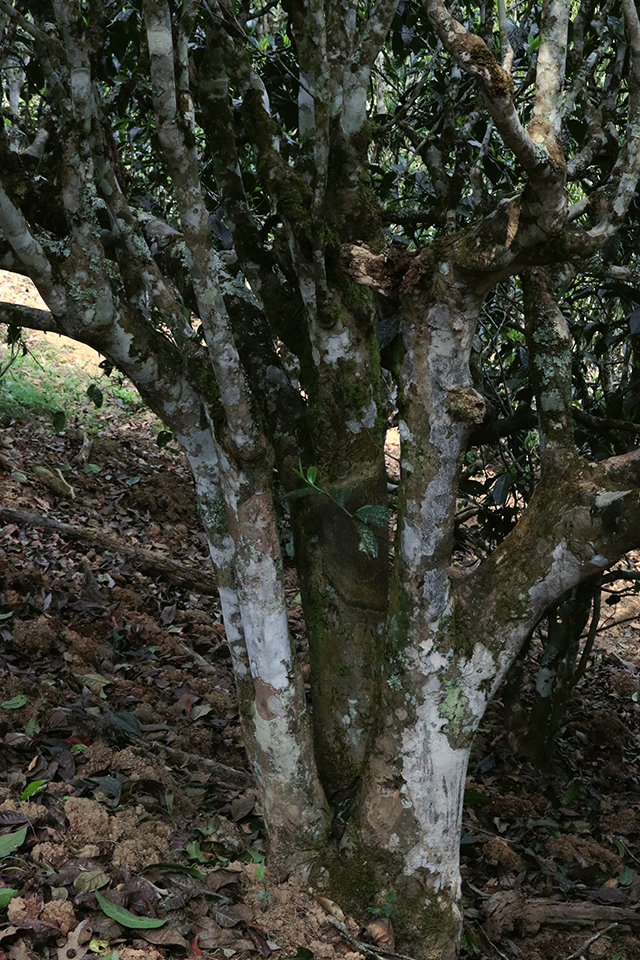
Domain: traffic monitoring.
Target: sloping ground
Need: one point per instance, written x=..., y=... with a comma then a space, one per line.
x=123, y=784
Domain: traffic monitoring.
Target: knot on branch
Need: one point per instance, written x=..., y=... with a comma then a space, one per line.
x=383, y=272
x=465, y=405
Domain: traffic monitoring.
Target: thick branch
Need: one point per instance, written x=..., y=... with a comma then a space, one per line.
x=33, y=258
x=375, y=31
x=576, y=524
x=546, y=122
x=182, y=160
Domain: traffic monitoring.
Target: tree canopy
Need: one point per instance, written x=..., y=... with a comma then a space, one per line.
x=291, y=227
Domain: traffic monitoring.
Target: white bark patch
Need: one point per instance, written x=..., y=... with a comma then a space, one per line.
x=306, y=104
x=411, y=544
x=330, y=347
x=477, y=673
x=368, y=419
x=159, y=40
x=563, y=572
x=436, y=589
x=434, y=774
x=610, y=496
x=264, y=619
x=403, y=430
x=231, y=616
x=274, y=738
x=81, y=84
x=354, y=103
x=544, y=681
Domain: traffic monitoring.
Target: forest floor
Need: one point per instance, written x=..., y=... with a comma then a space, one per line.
x=129, y=826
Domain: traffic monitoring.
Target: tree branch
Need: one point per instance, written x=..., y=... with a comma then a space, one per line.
x=578, y=522
x=620, y=188
x=474, y=57
x=31, y=254
x=375, y=31
x=546, y=122
x=550, y=359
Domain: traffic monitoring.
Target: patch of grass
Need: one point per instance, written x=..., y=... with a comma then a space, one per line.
x=50, y=381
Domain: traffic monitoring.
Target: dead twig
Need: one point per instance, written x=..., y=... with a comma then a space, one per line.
x=364, y=948
x=585, y=946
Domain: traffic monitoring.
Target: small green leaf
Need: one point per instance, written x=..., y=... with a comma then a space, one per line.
x=572, y=792
x=6, y=896
x=167, y=867
x=33, y=787
x=32, y=727
x=194, y=851
x=626, y=877
x=297, y=494
x=634, y=696
x=91, y=467
x=164, y=437
x=377, y=516
x=341, y=495
x=620, y=847
x=11, y=841
x=368, y=543
x=5, y=616
x=59, y=420
x=312, y=473
x=95, y=395
x=15, y=703
x=125, y=917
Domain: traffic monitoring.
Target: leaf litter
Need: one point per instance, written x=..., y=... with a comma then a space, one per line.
x=129, y=826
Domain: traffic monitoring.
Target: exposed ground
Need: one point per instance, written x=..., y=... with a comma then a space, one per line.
x=123, y=783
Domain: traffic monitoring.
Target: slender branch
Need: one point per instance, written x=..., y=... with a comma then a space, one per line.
x=29, y=27
x=474, y=57
x=591, y=635
x=505, y=45
x=620, y=188
x=550, y=359
x=585, y=946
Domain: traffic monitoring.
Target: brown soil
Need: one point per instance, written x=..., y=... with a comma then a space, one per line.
x=118, y=721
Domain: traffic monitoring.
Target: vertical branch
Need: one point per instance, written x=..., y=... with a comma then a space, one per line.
x=180, y=152
x=620, y=189
x=546, y=124
x=505, y=44
x=269, y=680
x=549, y=345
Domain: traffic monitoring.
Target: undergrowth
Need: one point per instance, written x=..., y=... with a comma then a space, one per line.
x=51, y=381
